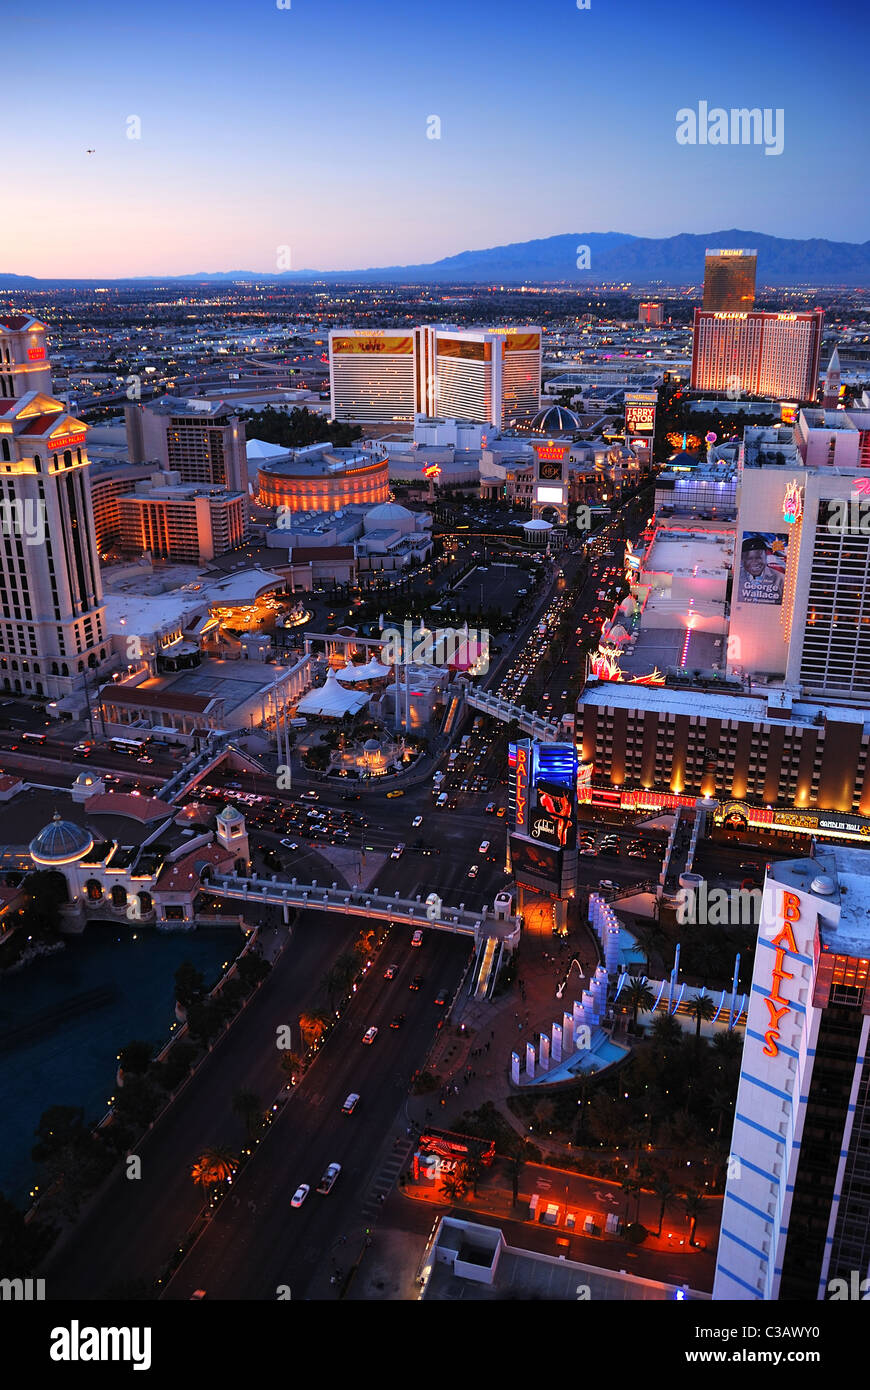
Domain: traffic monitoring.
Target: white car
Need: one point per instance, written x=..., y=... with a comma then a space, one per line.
x=289, y=844
x=472, y=872
x=350, y=1104
x=369, y=1035
x=397, y=852
x=483, y=847
x=416, y=822
x=300, y=1194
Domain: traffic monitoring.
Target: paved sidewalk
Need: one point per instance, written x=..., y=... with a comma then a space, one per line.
x=471, y=1057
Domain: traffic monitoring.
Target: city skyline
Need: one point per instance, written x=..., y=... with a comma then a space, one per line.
x=231, y=147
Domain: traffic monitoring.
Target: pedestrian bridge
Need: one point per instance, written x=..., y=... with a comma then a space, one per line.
x=369, y=902
x=547, y=730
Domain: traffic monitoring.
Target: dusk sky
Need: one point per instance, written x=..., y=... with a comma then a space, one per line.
x=306, y=128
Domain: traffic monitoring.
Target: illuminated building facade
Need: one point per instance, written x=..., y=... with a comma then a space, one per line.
x=765, y=750
x=796, y=1212
x=757, y=354
x=201, y=440
x=187, y=525
x=323, y=479
x=803, y=614
x=372, y=375
x=488, y=375
x=729, y=279
x=653, y=314
x=52, y=619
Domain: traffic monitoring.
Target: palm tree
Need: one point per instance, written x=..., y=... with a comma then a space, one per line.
x=630, y=1185
x=249, y=1107
x=701, y=1008
x=313, y=1025
x=213, y=1166
x=291, y=1063
x=638, y=996
x=666, y=1029
x=693, y=1205
x=721, y=1104
x=365, y=943
x=666, y=1192
x=472, y=1171
x=454, y=1187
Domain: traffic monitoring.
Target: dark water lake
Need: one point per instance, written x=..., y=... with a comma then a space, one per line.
x=65, y=1017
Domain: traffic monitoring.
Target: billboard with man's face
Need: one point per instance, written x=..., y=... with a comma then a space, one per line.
x=763, y=557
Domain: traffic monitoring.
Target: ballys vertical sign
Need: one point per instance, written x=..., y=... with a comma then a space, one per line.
x=522, y=785
x=783, y=942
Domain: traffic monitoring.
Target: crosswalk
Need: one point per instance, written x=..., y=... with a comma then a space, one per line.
x=382, y=1185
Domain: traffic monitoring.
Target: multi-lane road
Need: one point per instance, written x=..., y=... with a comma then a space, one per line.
x=257, y=1243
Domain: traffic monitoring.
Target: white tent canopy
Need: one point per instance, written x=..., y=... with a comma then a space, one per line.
x=331, y=701
x=372, y=671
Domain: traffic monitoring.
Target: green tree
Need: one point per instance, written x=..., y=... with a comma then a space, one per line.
x=214, y=1165
x=60, y=1127
x=291, y=1064
x=204, y=1021
x=693, y=1205
x=135, y=1058
x=638, y=996
x=249, y=1108
x=702, y=1008
x=454, y=1187
x=189, y=984
x=666, y=1192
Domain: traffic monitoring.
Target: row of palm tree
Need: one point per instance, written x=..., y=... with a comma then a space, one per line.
x=640, y=998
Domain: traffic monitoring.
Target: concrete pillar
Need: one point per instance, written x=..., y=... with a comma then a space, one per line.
x=530, y=1060
x=567, y=1034
x=556, y=1042
x=515, y=1068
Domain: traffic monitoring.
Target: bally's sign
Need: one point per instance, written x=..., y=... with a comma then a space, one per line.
x=778, y=1008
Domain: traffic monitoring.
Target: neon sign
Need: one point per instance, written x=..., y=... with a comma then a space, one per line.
x=36, y=354
x=784, y=941
x=556, y=452
x=792, y=504
x=65, y=441
x=522, y=776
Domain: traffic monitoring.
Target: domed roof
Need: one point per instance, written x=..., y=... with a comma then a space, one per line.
x=555, y=419
x=537, y=526
x=387, y=514
x=60, y=840
x=371, y=745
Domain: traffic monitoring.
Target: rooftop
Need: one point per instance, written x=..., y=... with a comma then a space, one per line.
x=713, y=705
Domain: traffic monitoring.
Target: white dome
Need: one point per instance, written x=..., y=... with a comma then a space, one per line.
x=386, y=514
x=537, y=526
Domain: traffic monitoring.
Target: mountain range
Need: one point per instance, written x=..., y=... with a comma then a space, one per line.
x=573, y=258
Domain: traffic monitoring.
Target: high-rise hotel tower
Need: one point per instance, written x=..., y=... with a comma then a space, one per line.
x=489, y=375
x=796, y=1214
x=52, y=621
